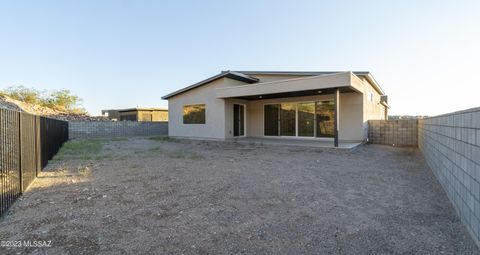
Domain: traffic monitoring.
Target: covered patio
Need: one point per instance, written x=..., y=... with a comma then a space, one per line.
x=319, y=111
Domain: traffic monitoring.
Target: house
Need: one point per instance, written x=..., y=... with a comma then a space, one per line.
x=327, y=106
x=137, y=114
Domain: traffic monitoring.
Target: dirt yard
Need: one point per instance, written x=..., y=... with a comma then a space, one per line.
x=163, y=196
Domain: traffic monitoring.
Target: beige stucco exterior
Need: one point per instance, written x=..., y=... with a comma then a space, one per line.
x=219, y=96
x=144, y=115
x=216, y=111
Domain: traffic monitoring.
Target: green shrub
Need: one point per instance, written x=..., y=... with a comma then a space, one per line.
x=21, y=93
x=62, y=100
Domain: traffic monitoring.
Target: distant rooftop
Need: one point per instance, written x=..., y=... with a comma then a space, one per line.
x=136, y=109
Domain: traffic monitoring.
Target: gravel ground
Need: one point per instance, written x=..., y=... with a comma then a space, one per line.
x=163, y=196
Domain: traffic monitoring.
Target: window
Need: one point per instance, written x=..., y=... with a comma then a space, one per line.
x=194, y=114
x=128, y=117
x=370, y=96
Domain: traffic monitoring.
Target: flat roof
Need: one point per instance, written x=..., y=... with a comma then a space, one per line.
x=308, y=73
x=366, y=74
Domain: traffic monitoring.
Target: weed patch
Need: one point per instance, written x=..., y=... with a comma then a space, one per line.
x=84, y=171
x=80, y=149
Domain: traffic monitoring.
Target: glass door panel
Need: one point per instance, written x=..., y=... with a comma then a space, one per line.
x=271, y=119
x=288, y=119
x=242, y=120
x=325, y=111
x=306, y=119
x=238, y=120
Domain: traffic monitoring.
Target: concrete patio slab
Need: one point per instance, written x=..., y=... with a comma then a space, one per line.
x=306, y=142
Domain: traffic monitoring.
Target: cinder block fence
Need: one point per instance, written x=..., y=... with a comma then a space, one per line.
x=451, y=146
x=393, y=132
x=99, y=129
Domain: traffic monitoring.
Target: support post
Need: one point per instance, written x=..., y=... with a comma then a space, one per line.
x=336, y=100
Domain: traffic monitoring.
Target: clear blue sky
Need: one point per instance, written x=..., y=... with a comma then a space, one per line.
x=425, y=54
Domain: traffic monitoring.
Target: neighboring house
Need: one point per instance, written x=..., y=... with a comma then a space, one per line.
x=111, y=114
x=317, y=105
x=138, y=114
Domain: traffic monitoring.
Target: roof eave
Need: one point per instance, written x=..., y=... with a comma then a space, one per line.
x=375, y=84
x=227, y=74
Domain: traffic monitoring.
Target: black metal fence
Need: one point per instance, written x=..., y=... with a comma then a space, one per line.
x=27, y=142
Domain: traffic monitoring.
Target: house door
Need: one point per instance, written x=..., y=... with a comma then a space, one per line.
x=238, y=120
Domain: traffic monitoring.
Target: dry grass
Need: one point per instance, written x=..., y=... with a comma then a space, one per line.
x=84, y=171
x=163, y=138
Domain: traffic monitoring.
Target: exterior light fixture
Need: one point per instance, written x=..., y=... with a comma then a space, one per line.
x=259, y=96
x=319, y=92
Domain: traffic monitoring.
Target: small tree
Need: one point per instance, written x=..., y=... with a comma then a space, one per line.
x=63, y=99
x=20, y=93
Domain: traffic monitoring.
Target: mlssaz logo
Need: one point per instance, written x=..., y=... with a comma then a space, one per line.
x=36, y=243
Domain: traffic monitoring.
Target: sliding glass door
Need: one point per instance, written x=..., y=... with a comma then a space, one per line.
x=304, y=119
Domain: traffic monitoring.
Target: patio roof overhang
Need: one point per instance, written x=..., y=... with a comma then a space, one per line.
x=307, y=86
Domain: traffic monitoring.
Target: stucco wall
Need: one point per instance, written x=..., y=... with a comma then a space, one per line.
x=372, y=109
x=351, y=118
x=99, y=129
x=451, y=146
x=214, y=126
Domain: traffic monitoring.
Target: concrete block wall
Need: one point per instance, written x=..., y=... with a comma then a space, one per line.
x=98, y=129
x=393, y=132
x=451, y=146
